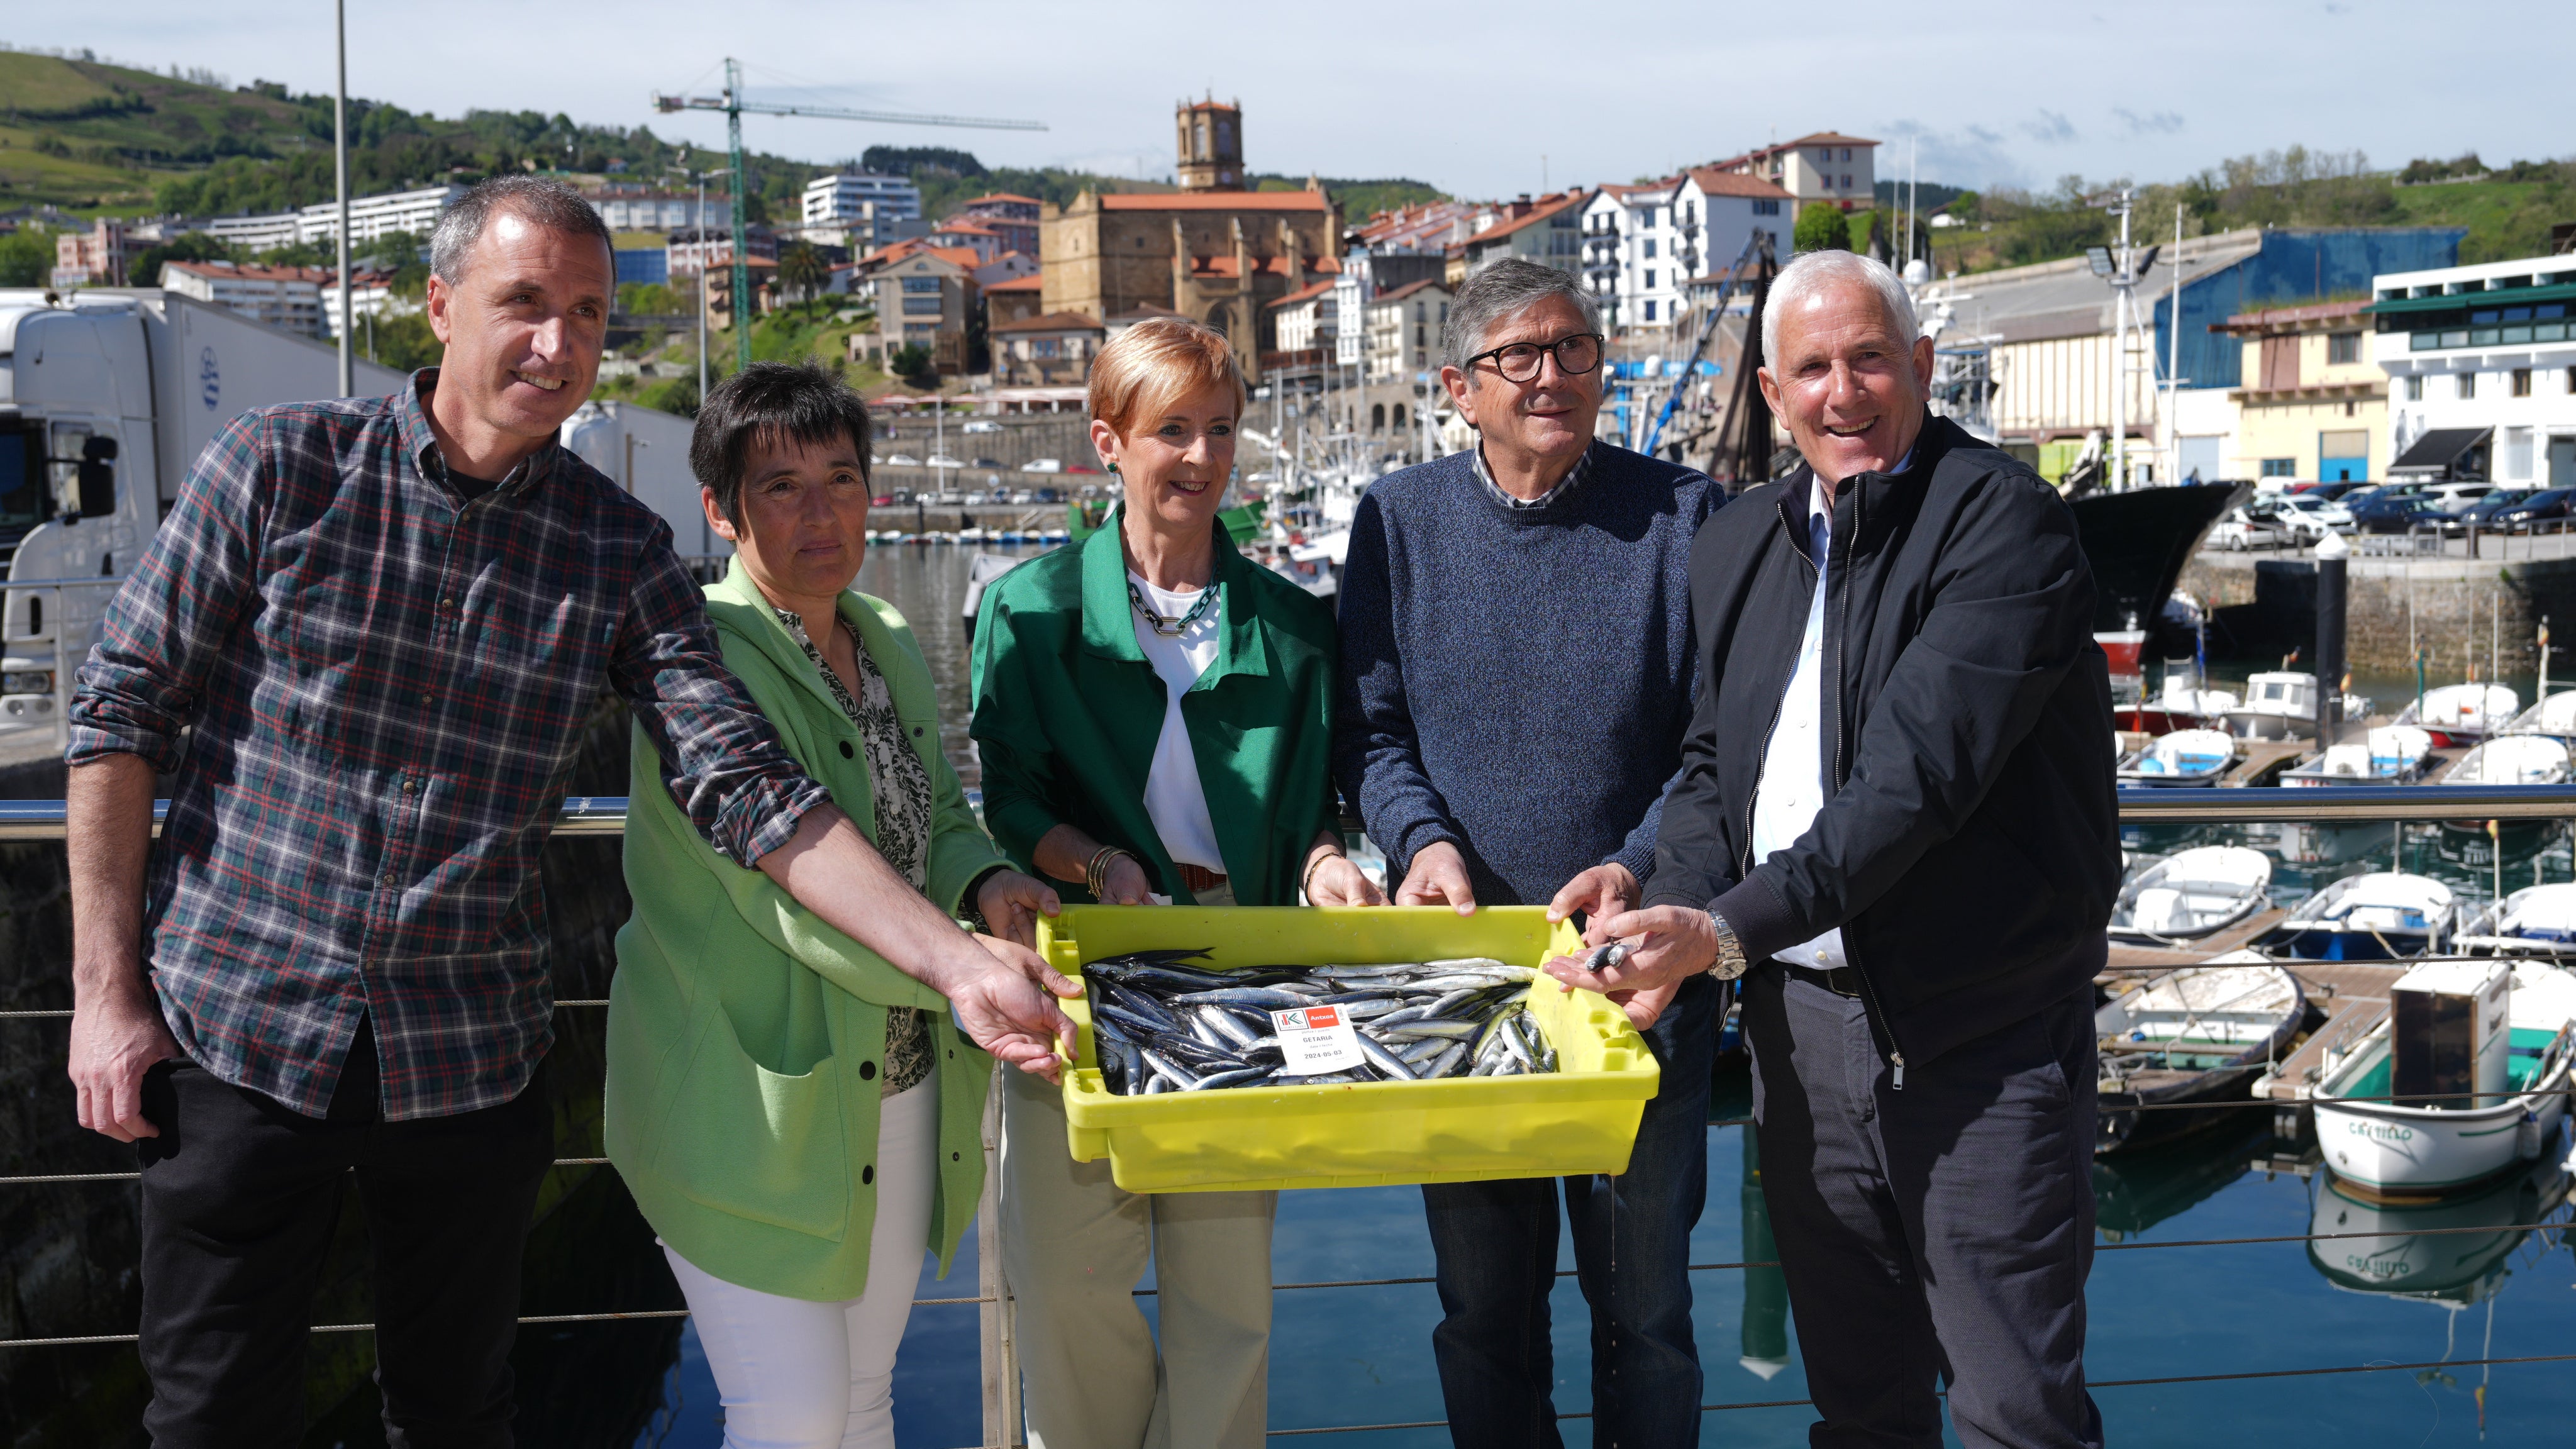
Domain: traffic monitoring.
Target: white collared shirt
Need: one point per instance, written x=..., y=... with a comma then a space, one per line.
x=1792, y=788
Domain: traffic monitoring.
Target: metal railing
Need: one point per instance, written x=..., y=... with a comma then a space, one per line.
x=598, y=815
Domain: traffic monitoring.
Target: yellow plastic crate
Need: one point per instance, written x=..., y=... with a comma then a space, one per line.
x=1580, y=1119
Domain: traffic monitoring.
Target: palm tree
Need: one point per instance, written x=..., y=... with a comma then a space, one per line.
x=802, y=272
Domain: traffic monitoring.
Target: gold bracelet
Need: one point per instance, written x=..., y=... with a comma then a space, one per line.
x=1095, y=874
x=1306, y=885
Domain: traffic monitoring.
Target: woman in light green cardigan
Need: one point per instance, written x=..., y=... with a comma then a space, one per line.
x=796, y=1116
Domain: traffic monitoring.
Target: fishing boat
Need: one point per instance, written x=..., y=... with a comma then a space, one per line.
x=2183, y=758
x=2138, y=541
x=2539, y=918
x=2554, y=714
x=2378, y=916
x=2190, y=894
x=2461, y=714
x=2510, y=760
x=2482, y=1048
x=2201, y=1034
x=2388, y=755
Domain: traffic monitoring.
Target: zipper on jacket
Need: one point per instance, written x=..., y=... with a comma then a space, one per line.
x=1744, y=869
x=1869, y=990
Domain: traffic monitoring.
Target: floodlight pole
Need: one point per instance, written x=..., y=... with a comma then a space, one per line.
x=340, y=165
x=2125, y=285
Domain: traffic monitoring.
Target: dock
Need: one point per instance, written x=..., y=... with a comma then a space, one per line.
x=2351, y=995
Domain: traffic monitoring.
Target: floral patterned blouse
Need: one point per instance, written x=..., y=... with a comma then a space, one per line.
x=903, y=809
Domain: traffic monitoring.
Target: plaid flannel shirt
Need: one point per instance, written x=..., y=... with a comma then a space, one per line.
x=386, y=690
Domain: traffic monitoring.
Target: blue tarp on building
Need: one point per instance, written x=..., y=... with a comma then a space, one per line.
x=2296, y=265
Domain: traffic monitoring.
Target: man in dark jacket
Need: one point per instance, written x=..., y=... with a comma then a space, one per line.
x=1896, y=810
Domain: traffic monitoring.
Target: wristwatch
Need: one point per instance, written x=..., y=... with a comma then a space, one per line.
x=1730, y=961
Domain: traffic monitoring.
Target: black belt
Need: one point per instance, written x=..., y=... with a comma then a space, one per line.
x=1841, y=980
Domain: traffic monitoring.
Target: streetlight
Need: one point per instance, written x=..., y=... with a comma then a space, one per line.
x=698, y=225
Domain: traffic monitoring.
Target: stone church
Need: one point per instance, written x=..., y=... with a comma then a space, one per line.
x=1210, y=251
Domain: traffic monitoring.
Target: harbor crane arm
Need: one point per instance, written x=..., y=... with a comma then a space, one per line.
x=733, y=105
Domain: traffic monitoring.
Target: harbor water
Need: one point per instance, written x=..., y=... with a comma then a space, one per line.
x=1362, y=1355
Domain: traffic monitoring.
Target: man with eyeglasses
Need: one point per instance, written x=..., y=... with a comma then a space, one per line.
x=1516, y=680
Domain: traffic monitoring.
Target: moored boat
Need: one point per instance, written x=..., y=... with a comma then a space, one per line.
x=2201, y=1034
x=2191, y=893
x=2509, y=760
x=2554, y=714
x=2539, y=918
x=2183, y=758
x=2387, y=755
x=2462, y=714
x=2480, y=1050
x=2378, y=916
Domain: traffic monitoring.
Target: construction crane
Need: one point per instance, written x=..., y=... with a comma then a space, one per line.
x=733, y=106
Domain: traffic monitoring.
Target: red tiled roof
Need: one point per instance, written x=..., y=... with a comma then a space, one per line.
x=1003, y=196
x=1213, y=201
x=1307, y=293
x=2288, y=316
x=1408, y=289
x=1713, y=182
x=964, y=228
x=255, y=272
x=1052, y=322
x=1831, y=138
x=1030, y=283
x=1543, y=208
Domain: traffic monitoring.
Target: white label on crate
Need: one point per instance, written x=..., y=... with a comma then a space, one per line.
x=1316, y=1040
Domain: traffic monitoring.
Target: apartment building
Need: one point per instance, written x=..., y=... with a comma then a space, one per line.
x=1547, y=230
x=415, y=212
x=2310, y=396
x=1013, y=218
x=2481, y=364
x=1053, y=349
x=94, y=258
x=284, y=297
x=1827, y=168
x=1404, y=332
x=633, y=207
x=847, y=196
x=687, y=253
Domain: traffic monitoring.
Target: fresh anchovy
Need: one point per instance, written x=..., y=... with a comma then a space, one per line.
x=1229, y=1026
x=1415, y=1053
x=1158, y=1083
x=1473, y=963
x=1307, y=989
x=1206, y=1030
x=1260, y=996
x=1128, y=1022
x=1193, y=1053
x=1179, y=1076
x=1372, y=1009
x=1451, y=1030
x=1385, y=1061
x=1449, y=1058
x=1235, y=1078
x=1140, y=1004
x=1402, y=1015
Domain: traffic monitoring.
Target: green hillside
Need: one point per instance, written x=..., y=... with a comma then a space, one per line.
x=2507, y=211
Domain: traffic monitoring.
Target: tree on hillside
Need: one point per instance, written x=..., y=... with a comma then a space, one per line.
x=802, y=272
x=1822, y=229
x=26, y=257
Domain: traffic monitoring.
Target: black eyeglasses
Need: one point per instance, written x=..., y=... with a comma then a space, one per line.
x=1521, y=361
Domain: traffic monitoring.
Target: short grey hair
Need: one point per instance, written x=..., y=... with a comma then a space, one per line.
x=1814, y=272
x=1502, y=291
x=537, y=199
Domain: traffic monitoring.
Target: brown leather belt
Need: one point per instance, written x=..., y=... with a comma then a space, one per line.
x=1199, y=878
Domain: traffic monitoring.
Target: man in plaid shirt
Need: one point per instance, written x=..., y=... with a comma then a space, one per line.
x=364, y=640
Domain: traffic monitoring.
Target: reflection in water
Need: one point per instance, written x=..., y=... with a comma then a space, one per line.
x=2308, y=858
x=2134, y=1191
x=928, y=584
x=1766, y=1290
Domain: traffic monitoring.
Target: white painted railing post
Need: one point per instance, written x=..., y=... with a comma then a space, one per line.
x=1000, y=1354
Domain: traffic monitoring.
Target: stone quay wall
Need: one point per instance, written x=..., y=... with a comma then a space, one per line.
x=2458, y=609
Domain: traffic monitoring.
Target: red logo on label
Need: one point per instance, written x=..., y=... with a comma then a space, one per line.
x=1320, y=1017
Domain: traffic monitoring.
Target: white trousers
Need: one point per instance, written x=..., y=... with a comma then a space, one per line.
x=795, y=1374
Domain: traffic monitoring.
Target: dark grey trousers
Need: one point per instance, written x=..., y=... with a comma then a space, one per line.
x=1939, y=1232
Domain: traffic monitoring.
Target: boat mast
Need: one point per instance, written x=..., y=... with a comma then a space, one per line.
x=2122, y=286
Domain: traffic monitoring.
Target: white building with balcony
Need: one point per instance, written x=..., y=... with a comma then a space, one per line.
x=844, y=197
x=1643, y=244
x=370, y=217
x=2481, y=364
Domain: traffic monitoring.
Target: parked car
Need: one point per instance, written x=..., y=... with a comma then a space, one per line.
x=1043, y=465
x=985, y=463
x=2457, y=497
x=2312, y=517
x=2245, y=527
x=2339, y=490
x=977, y=499
x=2521, y=508
x=903, y=460
x=949, y=499
x=882, y=500
x=1025, y=496
x=982, y=426
x=942, y=460
x=2405, y=513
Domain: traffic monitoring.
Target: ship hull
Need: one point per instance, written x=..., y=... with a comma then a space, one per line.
x=2138, y=543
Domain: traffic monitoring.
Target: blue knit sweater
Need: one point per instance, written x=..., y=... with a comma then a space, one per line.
x=1518, y=681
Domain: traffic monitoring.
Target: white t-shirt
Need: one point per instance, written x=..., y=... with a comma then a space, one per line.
x=1174, y=800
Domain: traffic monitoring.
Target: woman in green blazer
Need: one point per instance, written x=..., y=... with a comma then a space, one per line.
x=1154, y=712
x=796, y=1115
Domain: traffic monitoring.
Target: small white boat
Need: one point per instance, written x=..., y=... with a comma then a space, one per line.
x=2278, y=705
x=2379, y=916
x=2191, y=893
x=2539, y=918
x=2483, y=1046
x=2388, y=755
x=2460, y=714
x=2185, y=757
x=981, y=570
x=2512, y=760
x=2199, y=1034
x=2553, y=715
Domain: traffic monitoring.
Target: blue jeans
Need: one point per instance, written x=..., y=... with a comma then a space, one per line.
x=1497, y=1243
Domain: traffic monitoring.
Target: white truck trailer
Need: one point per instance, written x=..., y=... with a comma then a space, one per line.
x=107, y=398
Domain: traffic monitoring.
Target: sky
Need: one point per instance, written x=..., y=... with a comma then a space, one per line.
x=1479, y=100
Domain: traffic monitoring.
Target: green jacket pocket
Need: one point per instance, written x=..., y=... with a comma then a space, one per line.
x=759, y=1144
